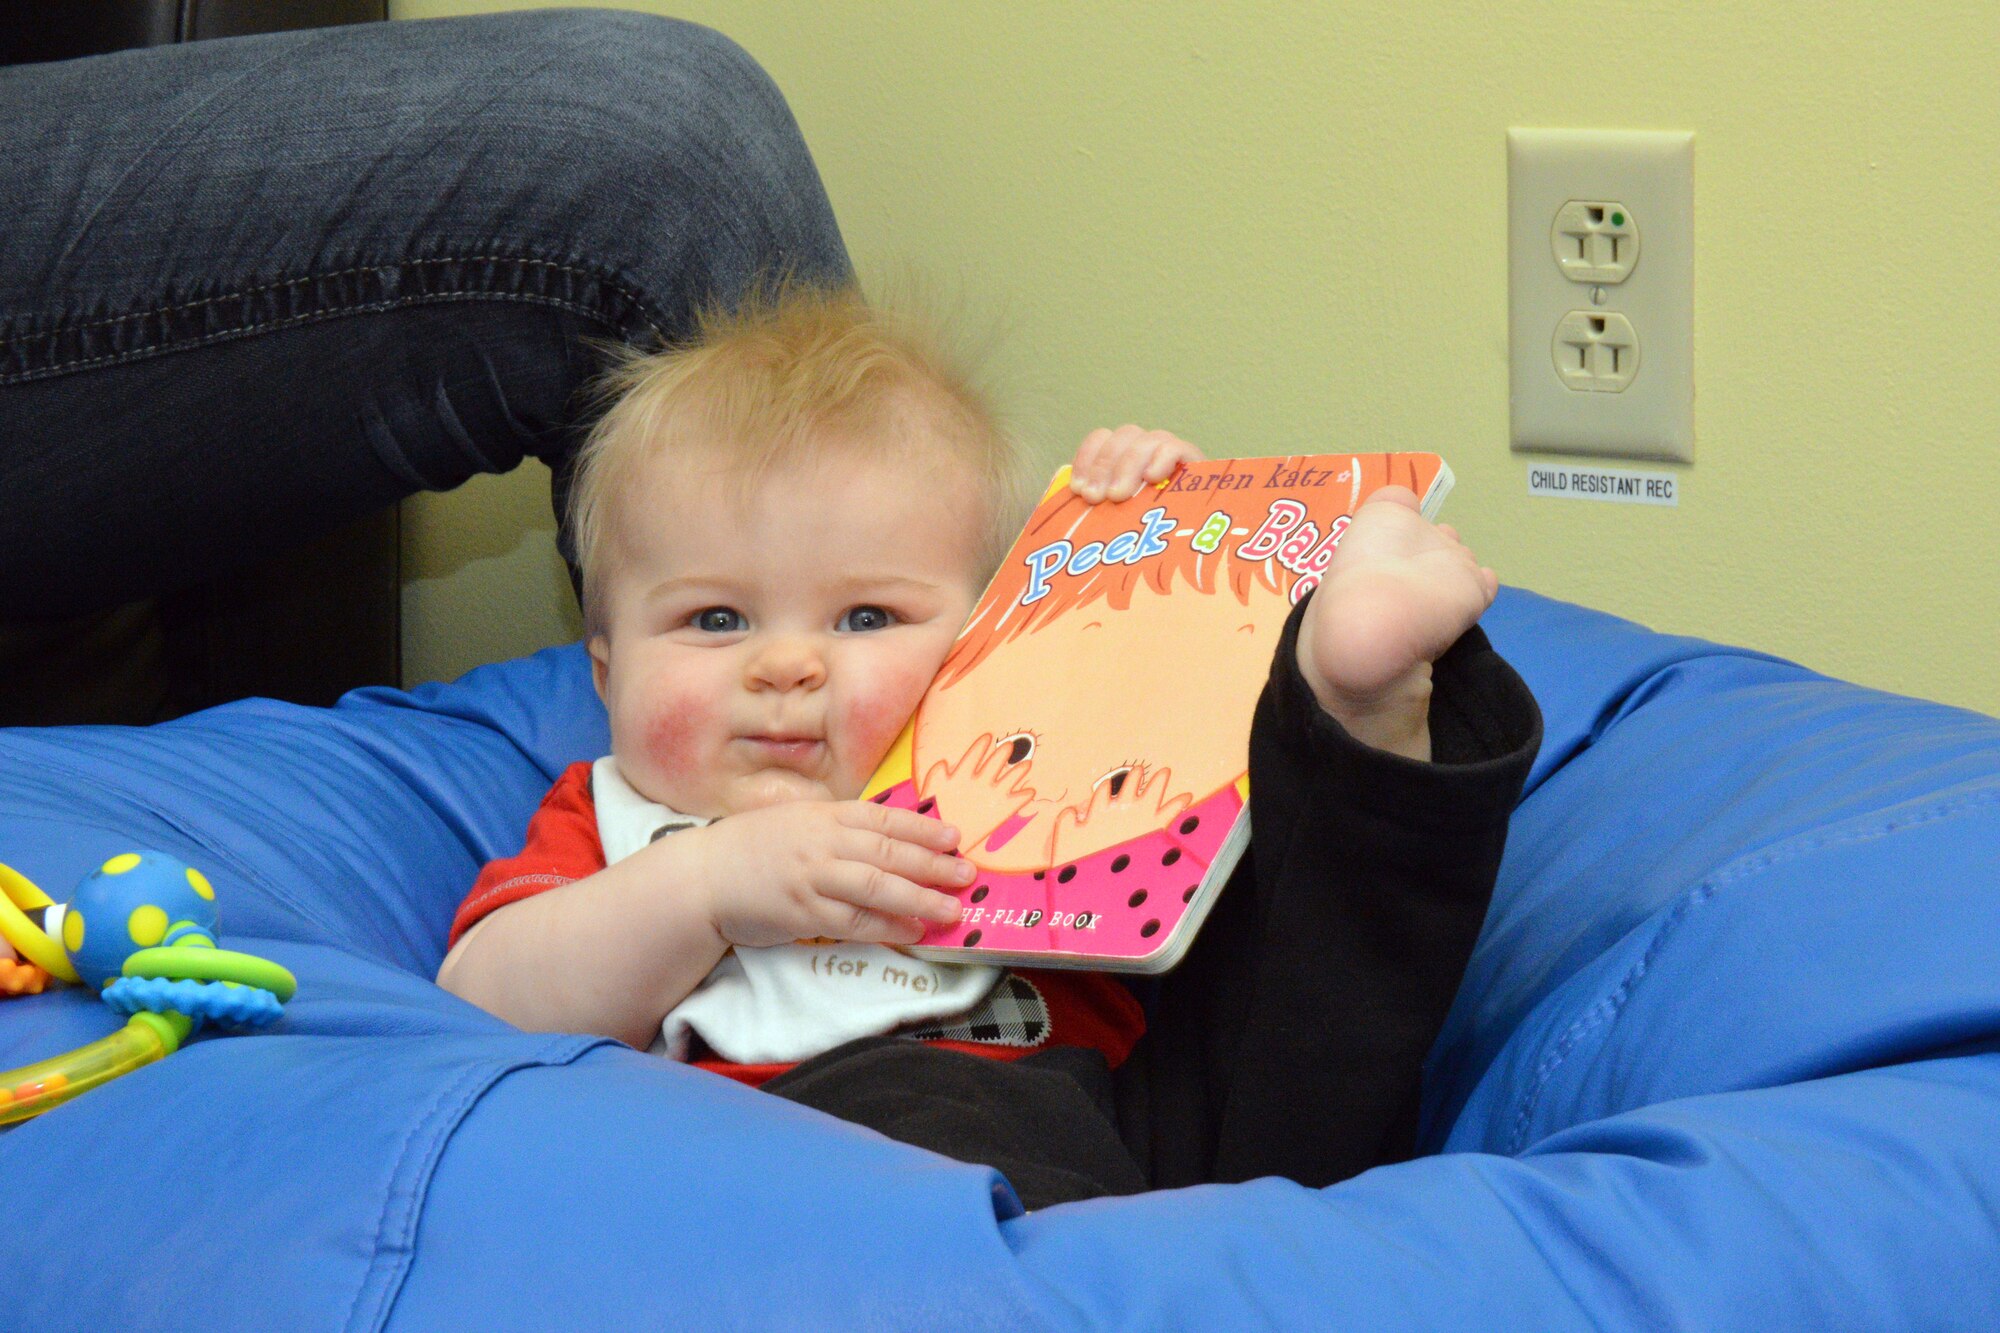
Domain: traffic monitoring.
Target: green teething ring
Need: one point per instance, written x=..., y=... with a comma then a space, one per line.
x=181, y=963
x=17, y=891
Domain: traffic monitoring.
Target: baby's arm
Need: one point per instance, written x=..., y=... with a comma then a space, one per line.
x=610, y=953
x=614, y=952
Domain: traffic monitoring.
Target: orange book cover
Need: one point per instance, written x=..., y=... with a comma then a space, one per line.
x=1089, y=733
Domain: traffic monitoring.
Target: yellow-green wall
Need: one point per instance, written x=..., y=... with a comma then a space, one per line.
x=1282, y=227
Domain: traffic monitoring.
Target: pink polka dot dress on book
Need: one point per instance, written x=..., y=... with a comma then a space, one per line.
x=1115, y=908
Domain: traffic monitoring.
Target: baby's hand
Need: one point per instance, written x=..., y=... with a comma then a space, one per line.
x=1114, y=464
x=844, y=870
x=1398, y=592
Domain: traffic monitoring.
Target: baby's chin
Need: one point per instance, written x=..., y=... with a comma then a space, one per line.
x=760, y=791
x=738, y=792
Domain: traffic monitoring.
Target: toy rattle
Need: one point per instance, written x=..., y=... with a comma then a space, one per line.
x=140, y=930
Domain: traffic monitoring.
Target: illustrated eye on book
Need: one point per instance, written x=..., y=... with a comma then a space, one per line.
x=1116, y=777
x=1019, y=746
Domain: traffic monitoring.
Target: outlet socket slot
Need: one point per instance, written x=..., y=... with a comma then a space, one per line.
x=1595, y=241
x=1596, y=353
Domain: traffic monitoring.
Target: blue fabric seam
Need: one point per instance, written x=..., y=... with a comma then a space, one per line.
x=391, y=699
x=1614, y=711
x=1611, y=1005
x=194, y=835
x=399, y=767
x=409, y=1181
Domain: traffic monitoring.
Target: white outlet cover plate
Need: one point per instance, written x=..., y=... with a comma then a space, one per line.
x=1650, y=172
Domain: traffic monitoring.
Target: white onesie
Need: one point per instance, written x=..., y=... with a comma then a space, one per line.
x=791, y=1001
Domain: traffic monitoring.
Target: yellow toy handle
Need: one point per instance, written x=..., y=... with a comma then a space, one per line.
x=33, y=1089
x=18, y=896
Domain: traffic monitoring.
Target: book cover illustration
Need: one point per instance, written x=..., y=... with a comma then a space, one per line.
x=1089, y=732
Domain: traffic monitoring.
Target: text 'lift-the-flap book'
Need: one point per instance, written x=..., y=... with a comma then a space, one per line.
x=1089, y=733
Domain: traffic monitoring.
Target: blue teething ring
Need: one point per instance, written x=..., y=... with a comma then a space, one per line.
x=212, y=1001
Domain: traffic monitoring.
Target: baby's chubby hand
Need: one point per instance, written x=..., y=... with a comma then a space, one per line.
x=844, y=870
x=1114, y=464
x=1398, y=592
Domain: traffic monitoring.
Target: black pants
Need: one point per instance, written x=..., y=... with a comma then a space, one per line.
x=1291, y=1040
x=1048, y=1121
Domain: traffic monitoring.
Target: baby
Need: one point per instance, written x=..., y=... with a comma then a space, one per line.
x=782, y=527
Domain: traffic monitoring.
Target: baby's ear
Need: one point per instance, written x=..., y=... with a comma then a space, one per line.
x=600, y=662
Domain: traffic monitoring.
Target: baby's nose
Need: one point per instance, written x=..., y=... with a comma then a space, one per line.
x=787, y=664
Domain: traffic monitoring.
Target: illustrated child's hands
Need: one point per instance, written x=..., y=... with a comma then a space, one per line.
x=845, y=870
x=1114, y=464
x=1398, y=592
x=980, y=792
x=1128, y=806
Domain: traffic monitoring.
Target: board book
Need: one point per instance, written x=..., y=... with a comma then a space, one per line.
x=1089, y=732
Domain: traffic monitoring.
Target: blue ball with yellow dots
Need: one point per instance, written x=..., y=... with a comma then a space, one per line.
x=134, y=901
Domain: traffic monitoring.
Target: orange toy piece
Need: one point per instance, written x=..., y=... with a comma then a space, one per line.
x=21, y=978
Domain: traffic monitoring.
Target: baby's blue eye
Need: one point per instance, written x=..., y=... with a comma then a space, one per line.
x=862, y=619
x=718, y=620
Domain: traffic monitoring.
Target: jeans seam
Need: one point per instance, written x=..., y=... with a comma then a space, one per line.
x=256, y=326
x=571, y=269
x=292, y=321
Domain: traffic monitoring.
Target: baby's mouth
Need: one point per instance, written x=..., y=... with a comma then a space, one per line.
x=786, y=751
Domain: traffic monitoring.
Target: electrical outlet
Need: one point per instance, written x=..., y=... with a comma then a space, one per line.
x=1601, y=332
x=1595, y=241
x=1596, y=353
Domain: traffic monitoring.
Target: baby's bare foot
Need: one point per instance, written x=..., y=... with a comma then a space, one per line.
x=1399, y=591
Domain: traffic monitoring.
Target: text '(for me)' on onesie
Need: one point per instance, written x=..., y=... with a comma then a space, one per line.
x=791, y=1001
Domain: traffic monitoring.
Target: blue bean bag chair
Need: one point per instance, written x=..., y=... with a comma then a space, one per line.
x=1725, y=1056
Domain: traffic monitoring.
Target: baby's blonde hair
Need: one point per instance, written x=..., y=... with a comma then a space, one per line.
x=800, y=373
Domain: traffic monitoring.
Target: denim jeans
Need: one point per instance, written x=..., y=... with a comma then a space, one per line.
x=253, y=289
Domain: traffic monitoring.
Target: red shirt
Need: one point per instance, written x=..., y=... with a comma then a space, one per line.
x=1085, y=1008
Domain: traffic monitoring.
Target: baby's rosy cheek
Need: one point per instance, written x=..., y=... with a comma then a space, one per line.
x=874, y=719
x=674, y=733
